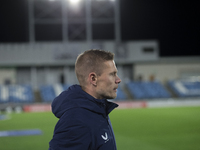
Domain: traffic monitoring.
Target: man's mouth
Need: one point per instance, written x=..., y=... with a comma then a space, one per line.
x=115, y=89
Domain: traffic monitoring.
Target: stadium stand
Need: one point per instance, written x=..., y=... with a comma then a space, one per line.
x=120, y=94
x=185, y=88
x=4, y=94
x=16, y=94
x=137, y=89
x=49, y=92
x=149, y=90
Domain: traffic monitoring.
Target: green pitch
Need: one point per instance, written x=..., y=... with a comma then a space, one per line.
x=135, y=129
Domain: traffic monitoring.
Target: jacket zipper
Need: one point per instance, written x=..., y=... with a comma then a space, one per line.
x=111, y=131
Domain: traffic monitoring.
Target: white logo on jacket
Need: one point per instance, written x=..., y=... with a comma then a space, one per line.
x=105, y=137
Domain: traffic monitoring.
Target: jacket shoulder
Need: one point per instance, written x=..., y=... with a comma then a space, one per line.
x=71, y=132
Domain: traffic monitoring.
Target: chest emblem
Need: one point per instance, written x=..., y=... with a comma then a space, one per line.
x=105, y=137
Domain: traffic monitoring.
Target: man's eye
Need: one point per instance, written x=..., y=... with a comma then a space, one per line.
x=114, y=74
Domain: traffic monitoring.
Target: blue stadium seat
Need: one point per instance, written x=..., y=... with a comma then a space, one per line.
x=21, y=93
x=156, y=90
x=185, y=88
x=136, y=90
x=16, y=93
x=49, y=92
x=141, y=90
x=120, y=94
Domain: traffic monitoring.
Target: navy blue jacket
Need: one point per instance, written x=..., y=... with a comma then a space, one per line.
x=83, y=122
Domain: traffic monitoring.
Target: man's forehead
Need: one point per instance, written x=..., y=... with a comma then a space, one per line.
x=110, y=65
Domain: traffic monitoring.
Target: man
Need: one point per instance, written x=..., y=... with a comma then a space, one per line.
x=83, y=109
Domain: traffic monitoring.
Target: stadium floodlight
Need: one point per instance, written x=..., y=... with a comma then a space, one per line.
x=75, y=5
x=106, y=0
x=74, y=2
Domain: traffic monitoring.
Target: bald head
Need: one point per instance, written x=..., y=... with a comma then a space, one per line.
x=91, y=61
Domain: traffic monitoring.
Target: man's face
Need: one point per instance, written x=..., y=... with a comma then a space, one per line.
x=107, y=82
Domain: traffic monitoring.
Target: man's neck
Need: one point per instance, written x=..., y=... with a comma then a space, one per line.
x=89, y=90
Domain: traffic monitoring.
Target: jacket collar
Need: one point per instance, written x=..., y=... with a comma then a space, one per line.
x=75, y=97
x=102, y=103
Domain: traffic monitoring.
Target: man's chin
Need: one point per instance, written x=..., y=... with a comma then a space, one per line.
x=111, y=97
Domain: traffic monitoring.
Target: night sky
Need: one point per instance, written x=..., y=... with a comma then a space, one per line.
x=175, y=24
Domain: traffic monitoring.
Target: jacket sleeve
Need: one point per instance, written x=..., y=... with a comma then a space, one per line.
x=71, y=134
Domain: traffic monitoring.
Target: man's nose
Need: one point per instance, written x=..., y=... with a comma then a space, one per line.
x=118, y=80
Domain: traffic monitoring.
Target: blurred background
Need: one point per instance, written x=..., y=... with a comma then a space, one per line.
x=156, y=46
x=157, y=53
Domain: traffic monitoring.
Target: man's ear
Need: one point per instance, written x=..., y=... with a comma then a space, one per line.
x=93, y=78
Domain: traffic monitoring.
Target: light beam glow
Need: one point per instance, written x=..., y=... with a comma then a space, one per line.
x=74, y=2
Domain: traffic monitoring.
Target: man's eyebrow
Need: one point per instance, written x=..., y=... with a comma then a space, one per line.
x=113, y=72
